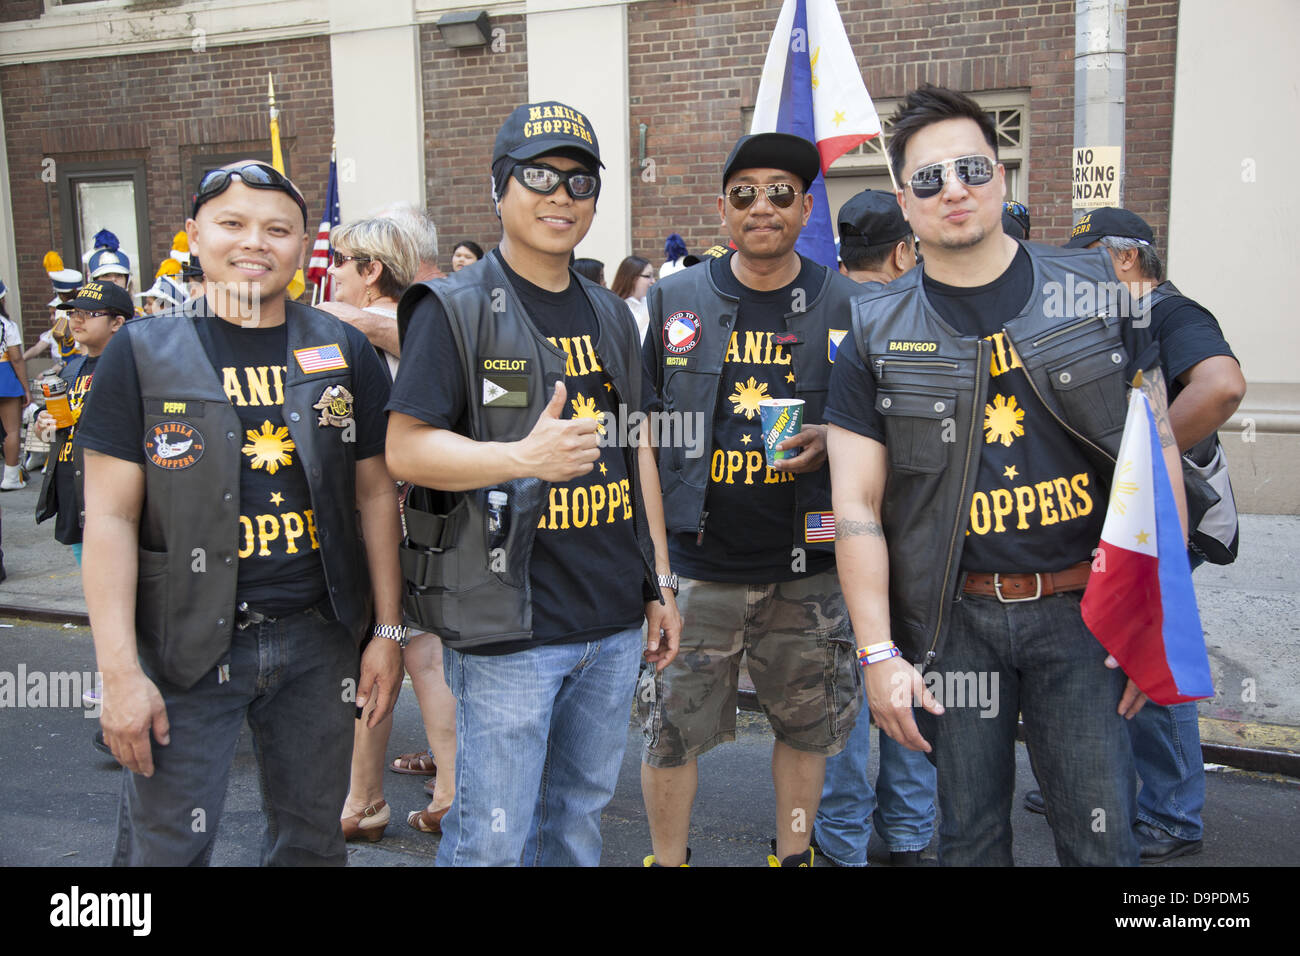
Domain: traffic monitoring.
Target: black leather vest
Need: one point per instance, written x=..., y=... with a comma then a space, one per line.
x=931, y=385
x=189, y=528
x=47, y=504
x=455, y=586
x=693, y=387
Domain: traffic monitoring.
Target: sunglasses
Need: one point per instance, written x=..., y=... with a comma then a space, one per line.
x=780, y=195
x=578, y=183
x=254, y=174
x=970, y=171
x=340, y=258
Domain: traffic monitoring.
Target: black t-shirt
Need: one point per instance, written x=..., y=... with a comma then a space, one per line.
x=1037, y=503
x=280, y=570
x=67, y=523
x=586, y=568
x=747, y=536
x=1188, y=334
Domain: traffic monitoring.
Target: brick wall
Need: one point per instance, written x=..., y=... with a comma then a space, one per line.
x=165, y=109
x=467, y=94
x=11, y=11
x=693, y=67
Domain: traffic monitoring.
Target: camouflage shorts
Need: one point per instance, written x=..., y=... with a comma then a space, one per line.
x=801, y=656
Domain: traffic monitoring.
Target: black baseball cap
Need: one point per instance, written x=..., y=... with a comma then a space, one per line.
x=785, y=151
x=96, y=296
x=536, y=129
x=1110, y=221
x=871, y=218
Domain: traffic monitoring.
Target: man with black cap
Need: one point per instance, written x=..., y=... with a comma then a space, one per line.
x=751, y=544
x=237, y=513
x=1205, y=388
x=876, y=247
x=538, y=558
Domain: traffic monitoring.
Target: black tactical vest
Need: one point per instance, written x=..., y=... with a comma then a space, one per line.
x=189, y=528
x=692, y=387
x=455, y=585
x=930, y=390
x=47, y=504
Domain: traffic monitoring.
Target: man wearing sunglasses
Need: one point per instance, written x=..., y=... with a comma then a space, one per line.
x=974, y=428
x=225, y=571
x=752, y=545
x=537, y=560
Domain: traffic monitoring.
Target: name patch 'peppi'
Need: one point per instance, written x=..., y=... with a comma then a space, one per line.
x=173, y=445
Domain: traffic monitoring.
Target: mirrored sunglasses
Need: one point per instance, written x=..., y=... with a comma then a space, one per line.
x=578, y=183
x=780, y=195
x=970, y=171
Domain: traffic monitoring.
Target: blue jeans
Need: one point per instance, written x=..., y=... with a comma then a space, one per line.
x=540, y=736
x=288, y=679
x=1036, y=659
x=901, y=806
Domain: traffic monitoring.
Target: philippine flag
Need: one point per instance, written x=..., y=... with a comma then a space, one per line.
x=1139, y=602
x=811, y=87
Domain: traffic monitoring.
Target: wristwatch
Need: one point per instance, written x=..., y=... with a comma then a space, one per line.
x=393, y=633
x=667, y=581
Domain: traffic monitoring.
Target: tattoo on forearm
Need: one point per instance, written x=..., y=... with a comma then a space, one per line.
x=1153, y=384
x=848, y=529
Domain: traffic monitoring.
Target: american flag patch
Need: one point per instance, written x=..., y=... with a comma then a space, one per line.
x=818, y=526
x=321, y=358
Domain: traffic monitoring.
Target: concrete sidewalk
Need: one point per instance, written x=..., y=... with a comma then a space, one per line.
x=1250, y=611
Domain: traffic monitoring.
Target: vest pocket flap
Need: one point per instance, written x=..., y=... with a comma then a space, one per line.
x=915, y=404
x=151, y=563
x=424, y=529
x=1087, y=368
x=428, y=569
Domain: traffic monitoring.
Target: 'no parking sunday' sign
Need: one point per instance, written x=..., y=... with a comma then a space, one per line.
x=1096, y=177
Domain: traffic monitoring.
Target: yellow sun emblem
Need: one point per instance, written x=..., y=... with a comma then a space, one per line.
x=586, y=408
x=1123, y=488
x=1002, y=419
x=746, y=397
x=269, y=447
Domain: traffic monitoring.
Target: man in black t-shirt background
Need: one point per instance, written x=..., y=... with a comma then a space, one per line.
x=978, y=435
x=541, y=708
x=724, y=336
x=230, y=447
x=1205, y=388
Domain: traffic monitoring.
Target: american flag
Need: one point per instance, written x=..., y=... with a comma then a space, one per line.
x=322, y=358
x=319, y=263
x=818, y=526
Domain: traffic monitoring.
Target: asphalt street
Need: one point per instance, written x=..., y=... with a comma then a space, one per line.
x=59, y=796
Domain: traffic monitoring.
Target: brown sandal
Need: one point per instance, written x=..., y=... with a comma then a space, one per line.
x=417, y=764
x=427, y=821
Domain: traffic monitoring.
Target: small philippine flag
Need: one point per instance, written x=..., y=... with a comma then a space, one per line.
x=818, y=526
x=320, y=358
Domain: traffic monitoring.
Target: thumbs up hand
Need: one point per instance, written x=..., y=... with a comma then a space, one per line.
x=558, y=449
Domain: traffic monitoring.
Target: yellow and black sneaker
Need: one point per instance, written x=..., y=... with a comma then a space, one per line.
x=799, y=859
x=650, y=860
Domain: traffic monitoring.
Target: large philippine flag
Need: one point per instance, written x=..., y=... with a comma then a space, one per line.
x=811, y=87
x=1139, y=603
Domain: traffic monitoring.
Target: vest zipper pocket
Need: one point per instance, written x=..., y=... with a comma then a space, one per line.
x=1057, y=333
x=880, y=364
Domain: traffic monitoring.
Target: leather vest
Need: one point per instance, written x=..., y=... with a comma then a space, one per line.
x=47, y=504
x=189, y=528
x=692, y=387
x=931, y=385
x=456, y=585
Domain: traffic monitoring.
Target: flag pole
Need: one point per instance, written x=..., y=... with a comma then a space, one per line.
x=884, y=148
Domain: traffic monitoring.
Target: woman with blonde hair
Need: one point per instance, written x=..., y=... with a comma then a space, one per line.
x=374, y=261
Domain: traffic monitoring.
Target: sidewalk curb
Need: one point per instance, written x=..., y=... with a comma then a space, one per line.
x=24, y=612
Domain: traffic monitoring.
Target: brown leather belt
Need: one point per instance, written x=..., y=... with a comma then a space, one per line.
x=1012, y=588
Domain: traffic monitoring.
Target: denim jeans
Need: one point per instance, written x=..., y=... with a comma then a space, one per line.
x=901, y=805
x=540, y=736
x=1049, y=668
x=288, y=678
x=1167, y=752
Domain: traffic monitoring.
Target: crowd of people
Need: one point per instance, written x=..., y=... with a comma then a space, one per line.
x=272, y=501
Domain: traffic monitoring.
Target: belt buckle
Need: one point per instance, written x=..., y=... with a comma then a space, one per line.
x=997, y=588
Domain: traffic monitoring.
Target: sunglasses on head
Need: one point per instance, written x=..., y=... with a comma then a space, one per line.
x=970, y=171
x=255, y=174
x=780, y=195
x=578, y=183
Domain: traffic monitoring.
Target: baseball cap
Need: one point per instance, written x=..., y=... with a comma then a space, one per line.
x=101, y=297
x=871, y=218
x=536, y=129
x=1015, y=220
x=785, y=151
x=1110, y=221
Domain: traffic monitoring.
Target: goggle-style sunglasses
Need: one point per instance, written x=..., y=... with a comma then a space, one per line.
x=578, y=183
x=255, y=174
